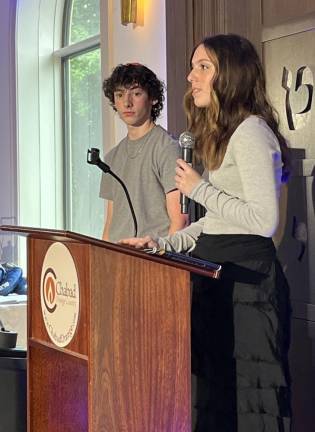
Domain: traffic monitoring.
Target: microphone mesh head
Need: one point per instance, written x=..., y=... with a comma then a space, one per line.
x=186, y=140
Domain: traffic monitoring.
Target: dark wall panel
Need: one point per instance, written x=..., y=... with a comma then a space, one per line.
x=275, y=12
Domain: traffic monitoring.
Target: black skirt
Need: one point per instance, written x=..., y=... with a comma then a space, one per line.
x=240, y=337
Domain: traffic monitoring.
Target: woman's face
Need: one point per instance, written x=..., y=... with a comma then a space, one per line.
x=201, y=77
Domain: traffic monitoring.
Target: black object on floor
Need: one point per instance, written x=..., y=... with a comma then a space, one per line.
x=12, y=390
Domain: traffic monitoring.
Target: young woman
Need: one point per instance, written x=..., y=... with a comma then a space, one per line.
x=240, y=324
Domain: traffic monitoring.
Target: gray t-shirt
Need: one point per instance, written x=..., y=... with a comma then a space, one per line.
x=147, y=167
x=242, y=195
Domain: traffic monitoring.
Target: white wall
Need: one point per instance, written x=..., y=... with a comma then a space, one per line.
x=39, y=137
x=8, y=179
x=144, y=43
x=7, y=112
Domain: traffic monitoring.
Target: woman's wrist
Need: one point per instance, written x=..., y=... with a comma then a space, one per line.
x=195, y=190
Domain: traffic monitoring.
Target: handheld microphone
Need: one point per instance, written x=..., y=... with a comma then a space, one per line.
x=93, y=158
x=186, y=142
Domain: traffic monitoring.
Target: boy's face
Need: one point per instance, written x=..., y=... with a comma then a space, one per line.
x=133, y=105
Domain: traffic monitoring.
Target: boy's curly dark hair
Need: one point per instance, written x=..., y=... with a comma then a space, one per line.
x=126, y=75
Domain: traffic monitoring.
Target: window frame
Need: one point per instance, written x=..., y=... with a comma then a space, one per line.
x=64, y=55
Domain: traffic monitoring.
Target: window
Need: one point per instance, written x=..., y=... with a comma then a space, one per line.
x=82, y=115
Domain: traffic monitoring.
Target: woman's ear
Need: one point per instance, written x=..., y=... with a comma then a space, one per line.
x=154, y=102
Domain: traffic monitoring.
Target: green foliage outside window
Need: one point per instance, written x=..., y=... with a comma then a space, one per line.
x=84, y=20
x=83, y=121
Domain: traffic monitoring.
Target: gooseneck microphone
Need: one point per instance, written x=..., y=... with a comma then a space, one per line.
x=186, y=142
x=93, y=158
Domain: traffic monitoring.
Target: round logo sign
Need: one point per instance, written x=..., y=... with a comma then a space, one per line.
x=59, y=293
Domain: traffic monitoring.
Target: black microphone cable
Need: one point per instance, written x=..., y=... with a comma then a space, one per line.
x=93, y=158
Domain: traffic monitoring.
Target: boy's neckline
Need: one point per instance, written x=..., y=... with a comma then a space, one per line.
x=142, y=134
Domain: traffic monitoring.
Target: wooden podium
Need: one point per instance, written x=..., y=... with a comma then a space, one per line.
x=127, y=367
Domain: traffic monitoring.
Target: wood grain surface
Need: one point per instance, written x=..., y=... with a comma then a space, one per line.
x=128, y=365
x=141, y=341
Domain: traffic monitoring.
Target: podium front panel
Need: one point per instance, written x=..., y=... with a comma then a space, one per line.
x=140, y=335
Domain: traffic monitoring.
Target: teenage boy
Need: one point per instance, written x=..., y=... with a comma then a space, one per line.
x=145, y=159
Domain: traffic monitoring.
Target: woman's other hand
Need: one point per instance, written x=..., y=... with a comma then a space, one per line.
x=140, y=243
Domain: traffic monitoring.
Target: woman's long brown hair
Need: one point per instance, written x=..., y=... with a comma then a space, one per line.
x=238, y=90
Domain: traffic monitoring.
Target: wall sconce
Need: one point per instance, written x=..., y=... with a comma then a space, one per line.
x=128, y=11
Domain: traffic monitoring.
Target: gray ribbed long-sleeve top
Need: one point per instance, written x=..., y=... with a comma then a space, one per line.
x=242, y=195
